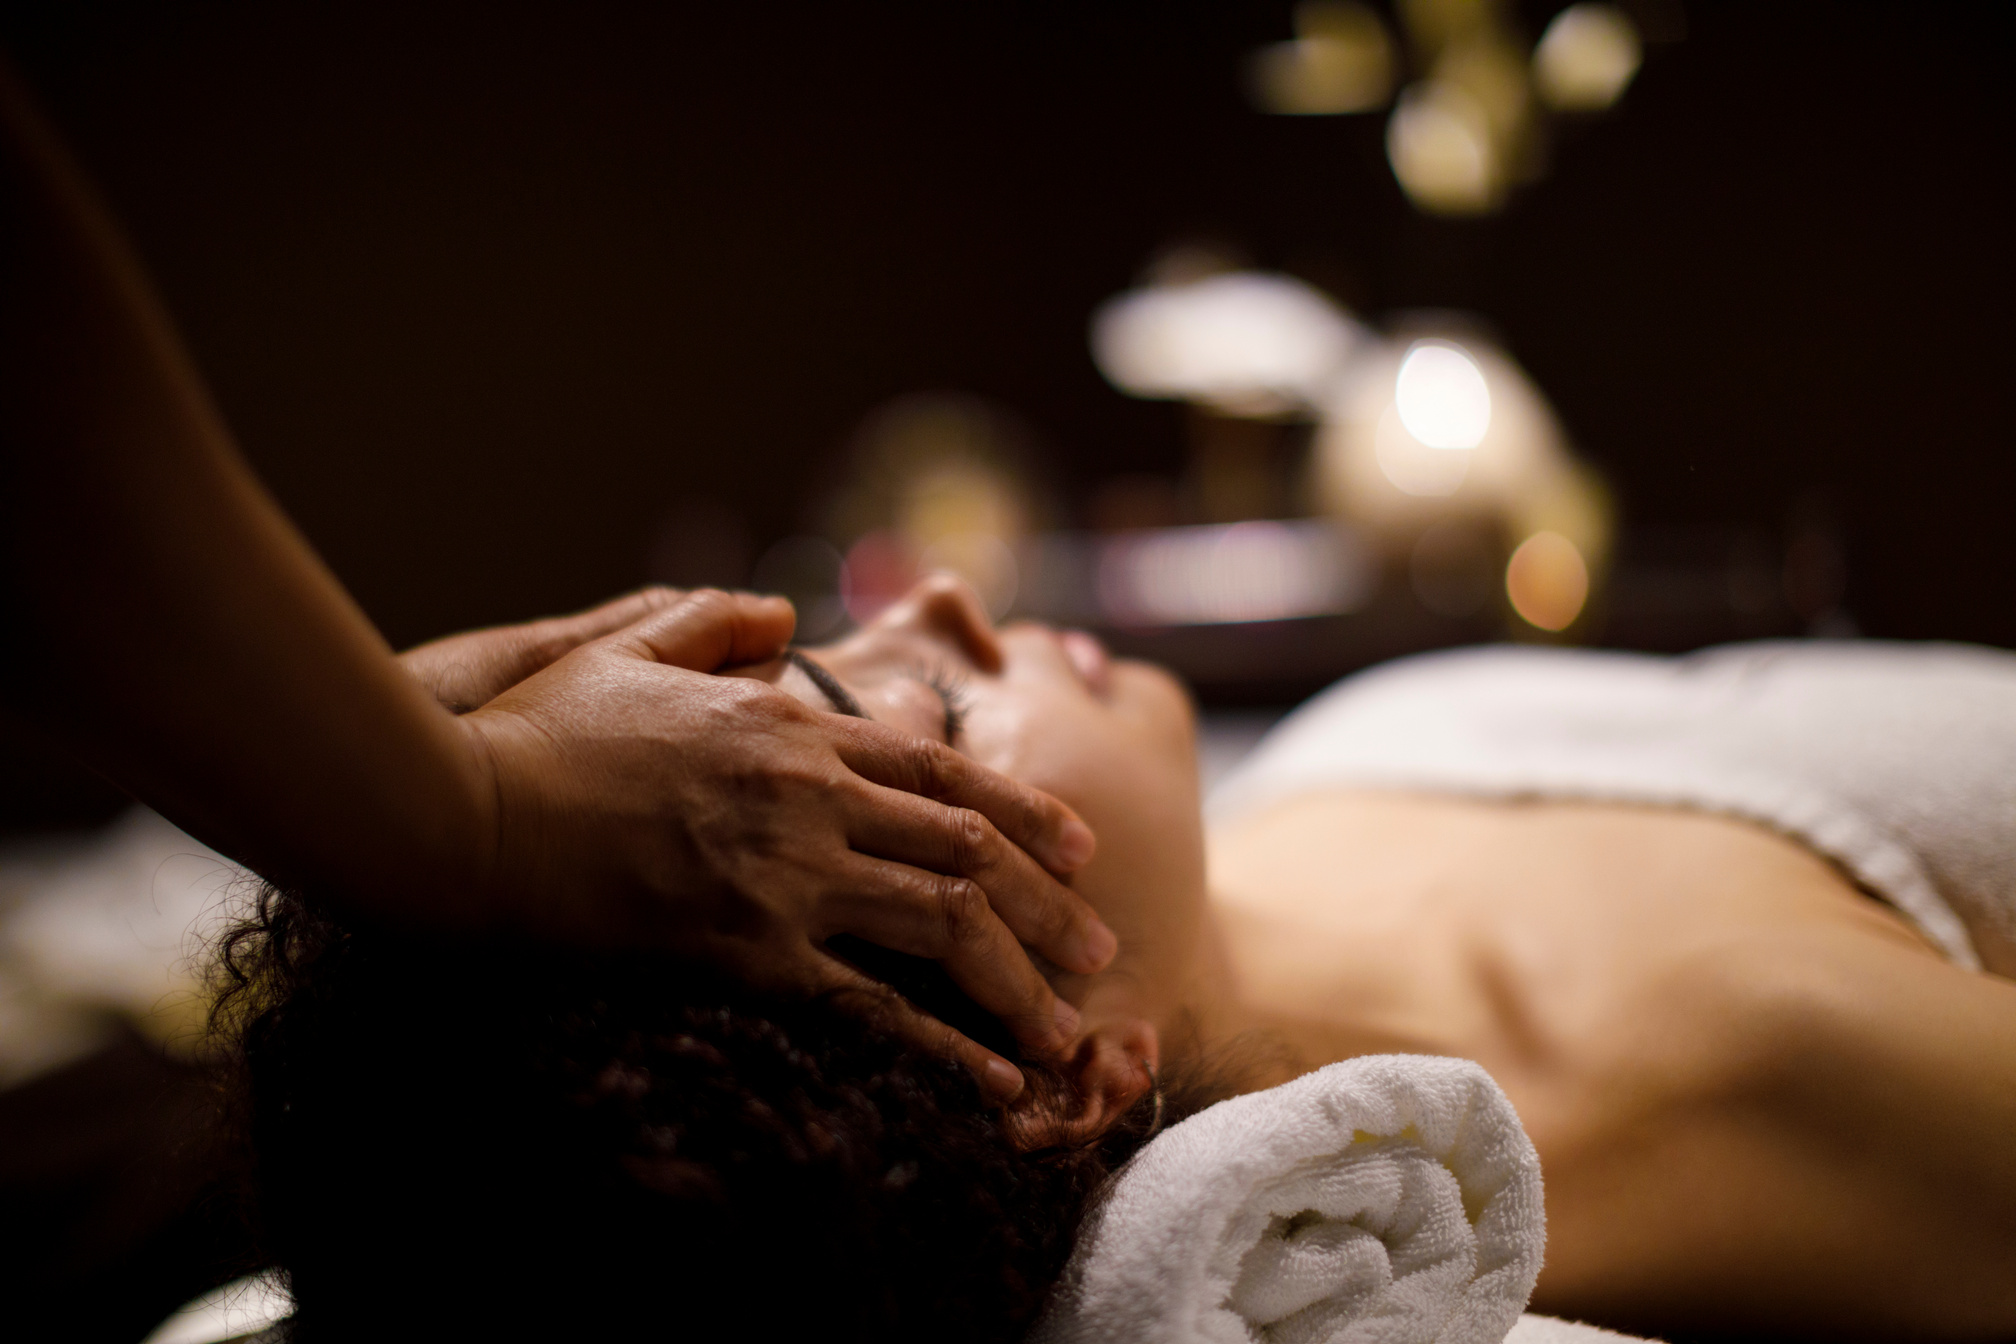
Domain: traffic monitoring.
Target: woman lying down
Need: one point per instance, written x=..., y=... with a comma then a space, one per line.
x=1714, y=925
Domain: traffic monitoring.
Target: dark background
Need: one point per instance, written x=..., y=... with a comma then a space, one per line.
x=490, y=291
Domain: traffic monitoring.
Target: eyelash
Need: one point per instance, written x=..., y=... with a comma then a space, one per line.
x=951, y=688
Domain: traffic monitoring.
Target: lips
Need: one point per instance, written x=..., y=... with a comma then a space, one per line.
x=1089, y=657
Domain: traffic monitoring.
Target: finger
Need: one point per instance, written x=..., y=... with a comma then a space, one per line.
x=950, y=921
x=887, y=1009
x=709, y=629
x=469, y=670
x=1037, y=823
x=612, y=615
x=960, y=843
x=543, y=643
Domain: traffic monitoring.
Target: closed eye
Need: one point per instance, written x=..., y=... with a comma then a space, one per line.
x=952, y=693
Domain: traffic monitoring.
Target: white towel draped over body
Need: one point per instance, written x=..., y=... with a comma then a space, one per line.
x=1387, y=1199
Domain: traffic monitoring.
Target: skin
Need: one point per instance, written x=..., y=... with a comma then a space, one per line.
x=581, y=780
x=1762, y=1102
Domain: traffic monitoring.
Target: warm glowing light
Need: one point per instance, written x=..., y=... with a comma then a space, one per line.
x=1252, y=571
x=1441, y=396
x=1243, y=342
x=1373, y=469
x=1492, y=71
x=1434, y=24
x=983, y=560
x=1440, y=144
x=880, y=568
x=1547, y=581
x=1341, y=61
x=1586, y=58
x=938, y=484
x=1412, y=466
x=1570, y=501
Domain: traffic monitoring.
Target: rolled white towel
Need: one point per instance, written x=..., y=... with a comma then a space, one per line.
x=1392, y=1198
x=1553, y=1330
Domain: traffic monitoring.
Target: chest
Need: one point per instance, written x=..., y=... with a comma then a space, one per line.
x=1552, y=942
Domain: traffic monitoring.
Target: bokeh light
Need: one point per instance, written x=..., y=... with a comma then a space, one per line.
x=1242, y=342
x=1251, y=571
x=940, y=481
x=1434, y=25
x=1441, y=395
x=984, y=560
x=1370, y=468
x=1492, y=71
x=1439, y=142
x=880, y=567
x=1413, y=467
x=1547, y=581
x=1586, y=58
x=1341, y=61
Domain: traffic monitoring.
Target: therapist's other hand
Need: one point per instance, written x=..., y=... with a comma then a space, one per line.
x=469, y=670
x=642, y=802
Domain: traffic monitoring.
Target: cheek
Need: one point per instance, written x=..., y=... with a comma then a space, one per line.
x=1122, y=767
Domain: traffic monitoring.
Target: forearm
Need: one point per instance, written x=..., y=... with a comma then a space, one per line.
x=165, y=619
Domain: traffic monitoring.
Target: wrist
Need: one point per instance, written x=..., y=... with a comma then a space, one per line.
x=484, y=828
x=511, y=884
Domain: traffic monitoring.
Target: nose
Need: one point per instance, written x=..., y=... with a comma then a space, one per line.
x=944, y=606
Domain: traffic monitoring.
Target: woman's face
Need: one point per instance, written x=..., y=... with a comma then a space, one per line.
x=1113, y=739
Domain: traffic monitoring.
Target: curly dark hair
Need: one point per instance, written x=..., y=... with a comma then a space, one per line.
x=452, y=1138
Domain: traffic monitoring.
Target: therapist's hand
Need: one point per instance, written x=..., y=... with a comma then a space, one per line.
x=467, y=671
x=642, y=802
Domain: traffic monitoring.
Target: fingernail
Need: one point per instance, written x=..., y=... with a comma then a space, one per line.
x=1096, y=947
x=1075, y=844
x=1004, y=1080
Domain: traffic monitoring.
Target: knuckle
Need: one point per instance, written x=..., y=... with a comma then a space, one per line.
x=1057, y=918
x=938, y=1039
x=550, y=640
x=962, y=912
x=702, y=607
x=970, y=837
x=928, y=766
x=658, y=596
x=745, y=697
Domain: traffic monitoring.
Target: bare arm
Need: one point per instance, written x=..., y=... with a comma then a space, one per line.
x=165, y=620
x=164, y=617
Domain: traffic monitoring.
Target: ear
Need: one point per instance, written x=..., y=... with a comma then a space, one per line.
x=1113, y=1068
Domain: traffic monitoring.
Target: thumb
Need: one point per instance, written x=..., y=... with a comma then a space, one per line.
x=708, y=630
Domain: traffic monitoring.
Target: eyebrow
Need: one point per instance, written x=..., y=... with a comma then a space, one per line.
x=843, y=700
x=838, y=696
